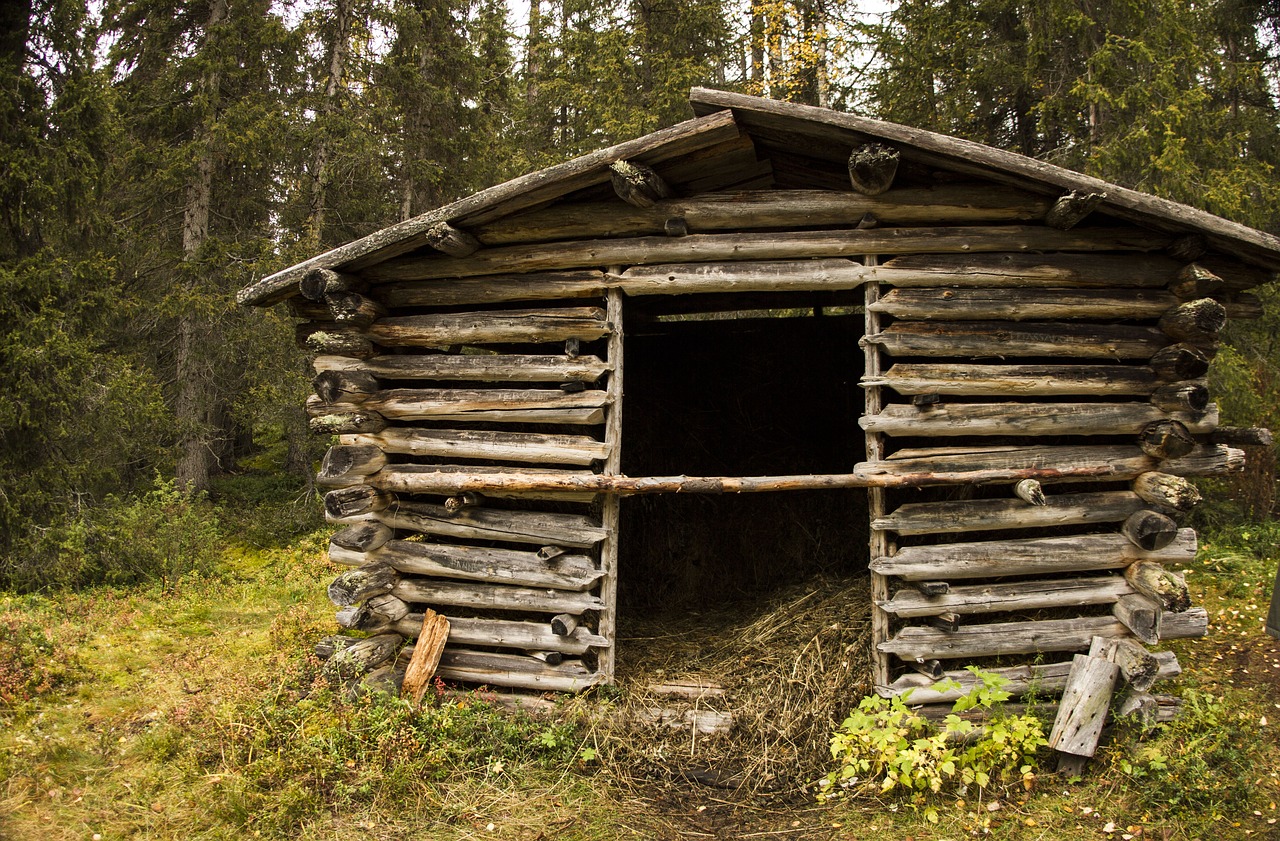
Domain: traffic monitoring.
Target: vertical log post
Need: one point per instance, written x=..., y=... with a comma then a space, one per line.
x=610, y=515
x=873, y=403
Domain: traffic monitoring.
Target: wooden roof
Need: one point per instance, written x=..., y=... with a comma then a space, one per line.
x=718, y=150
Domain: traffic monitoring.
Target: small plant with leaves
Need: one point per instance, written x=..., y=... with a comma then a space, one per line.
x=885, y=744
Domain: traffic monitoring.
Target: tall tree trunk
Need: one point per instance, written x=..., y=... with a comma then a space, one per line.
x=193, y=404
x=533, y=53
x=338, y=51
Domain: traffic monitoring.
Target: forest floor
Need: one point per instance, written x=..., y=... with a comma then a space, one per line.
x=192, y=710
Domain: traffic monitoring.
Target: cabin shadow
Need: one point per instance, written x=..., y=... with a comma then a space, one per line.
x=762, y=392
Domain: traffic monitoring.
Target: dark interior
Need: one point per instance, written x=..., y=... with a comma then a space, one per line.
x=749, y=396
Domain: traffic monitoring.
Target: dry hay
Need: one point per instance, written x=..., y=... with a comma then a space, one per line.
x=791, y=668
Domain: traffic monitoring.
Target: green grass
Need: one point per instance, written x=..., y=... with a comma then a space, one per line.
x=193, y=711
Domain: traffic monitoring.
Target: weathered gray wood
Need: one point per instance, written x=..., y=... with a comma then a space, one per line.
x=516, y=671
x=1166, y=491
x=333, y=340
x=1179, y=362
x=1139, y=709
x=1242, y=436
x=755, y=246
x=502, y=200
x=742, y=276
x=330, y=645
x=355, y=585
x=533, y=527
x=497, y=404
x=490, y=327
x=1005, y=339
x=1028, y=556
x=1140, y=615
x=317, y=284
x=361, y=657
x=1030, y=491
x=1196, y=322
x=477, y=563
x=1166, y=588
x=363, y=537
x=505, y=633
x=932, y=588
x=1014, y=380
x=336, y=386
x=1194, y=281
x=351, y=309
x=1190, y=396
x=1150, y=271
x=455, y=505
x=1185, y=625
x=449, y=240
x=872, y=167
x=1084, y=706
x=355, y=501
x=534, y=286
x=344, y=464
x=1139, y=668
x=495, y=596
x=637, y=184
x=1149, y=530
x=564, y=624
x=952, y=419
x=474, y=367
x=529, y=447
x=985, y=162
x=1206, y=460
x=988, y=514
x=1188, y=248
x=340, y=419
x=943, y=204
x=610, y=507
x=983, y=304
x=1007, y=597
x=1069, y=210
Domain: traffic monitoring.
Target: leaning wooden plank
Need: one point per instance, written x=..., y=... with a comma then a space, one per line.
x=786, y=245
x=505, y=633
x=478, y=563
x=987, y=514
x=1085, y=702
x=1028, y=556
x=478, y=367
x=495, y=596
x=432, y=633
x=1016, y=380
x=1005, y=339
x=490, y=327
x=514, y=670
x=988, y=304
x=540, y=528
x=1000, y=597
x=502, y=200
x=536, y=448
x=505, y=405
x=1001, y=638
x=952, y=419
x=947, y=204
x=1051, y=270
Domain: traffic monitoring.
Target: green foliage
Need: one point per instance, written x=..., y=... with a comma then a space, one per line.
x=883, y=742
x=32, y=662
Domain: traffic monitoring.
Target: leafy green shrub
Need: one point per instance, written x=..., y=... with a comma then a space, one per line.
x=883, y=742
x=32, y=662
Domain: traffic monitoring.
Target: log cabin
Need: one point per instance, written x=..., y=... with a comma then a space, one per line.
x=982, y=376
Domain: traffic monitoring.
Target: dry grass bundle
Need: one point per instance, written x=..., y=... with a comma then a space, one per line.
x=791, y=668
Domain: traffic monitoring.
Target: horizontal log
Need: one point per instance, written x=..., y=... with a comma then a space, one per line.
x=456, y=480
x=1189, y=396
x=1195, y=322
x=991, y=514
x=478, y=563
x=1167, y=438
x=983, y=304
x=1005, y=597
x=338, y=386
x=332, y=339
x=1014, y=380
x=472, y=367
x=539, y=528
x=1140, y=615
x=1006, y=339
x=744, y=276
x=1187, y=624
x=343, y=465
x=1242, y=436
x=1071, y=209
x=505, y=633
x=727, y=211
x=494, y=596
x=1029, y=556
x=355, y=501
x=1179, y=362
x=361, y=657
x=515, y=670
x=1036, y=637
x=490, y=327
x=493, y=289
x=339, y=419
x=529, y=447
x=1149, y=530
x=1051, y=270
x=872, y=167
x=754, y=246
x=1168, y=589
x=504, y=405
x=952, y=419
x=363, y=537
x=319, y=283
x=1166, y=491
x=353, y=309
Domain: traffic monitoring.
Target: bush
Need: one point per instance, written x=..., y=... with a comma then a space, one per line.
x=32, y=663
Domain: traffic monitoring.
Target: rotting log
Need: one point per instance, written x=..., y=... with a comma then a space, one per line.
x=1016, y=380
x=351, y=309
x=447, y=239
x=432, y=635
x=1139, y=668
x=361, y=657
x=348, y=387
x=1187, y=624
x=363, y=537
x=355, y=585
x=351, y=421
x=1241, y=436
x=1030, y=491
x=354, y=501
x=1167, y=492
x=472, y=367
x=1084, y=705
x=317, y=284
x=495, y=597
x=990, y=514
x=515, y=670
x=982, y=304
x=333, y=340
x=1139, y=709
x=476, y=563
x=955, y=419
x=785, y=245
x=564, y=624
x=1194, y=281
x=506, y=633
x=1005, y=339
x=1179, y=362
x=1149, y=530
x=637, y=184
x=490, y=327
x=1008, y=597
x=1196, y=322
x=1071, y=209
x=537, y=448
x=1165, y=439
x=536, y=527
x=1190, y=396
x=872, y=167
x=330, y=645
x=1027, y=556
x=1166, y=588
x=1141, y=615
x=1041, y=679
x=344, y=464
